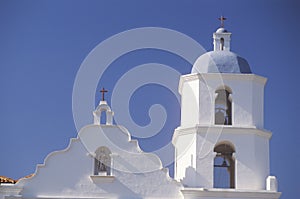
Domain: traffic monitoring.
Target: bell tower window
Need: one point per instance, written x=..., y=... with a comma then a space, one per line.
x=224, y=166
x=223, y=108
x=102, y=165
x=222, y=43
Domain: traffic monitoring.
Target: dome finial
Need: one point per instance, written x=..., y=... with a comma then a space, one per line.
x=222, y=19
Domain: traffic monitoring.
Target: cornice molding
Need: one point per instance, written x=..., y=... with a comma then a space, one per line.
x=229, y=193
x=220, y=128
x=224, y=76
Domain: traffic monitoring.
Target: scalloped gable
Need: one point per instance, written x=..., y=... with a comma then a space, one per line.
x=68, y=173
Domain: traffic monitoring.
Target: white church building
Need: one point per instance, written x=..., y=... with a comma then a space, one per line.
x=221, y=146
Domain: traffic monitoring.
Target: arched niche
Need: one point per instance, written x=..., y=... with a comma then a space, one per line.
x=224, y=165
x=102, y=161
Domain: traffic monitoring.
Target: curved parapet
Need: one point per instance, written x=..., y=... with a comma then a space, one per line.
x=70, y=172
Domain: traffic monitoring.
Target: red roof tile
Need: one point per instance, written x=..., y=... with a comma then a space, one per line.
x=4, y=179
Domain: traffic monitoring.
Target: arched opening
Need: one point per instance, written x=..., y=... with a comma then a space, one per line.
x=103, y=117
x=222, y=43
x=223, y=107
x=103, y=114
x=102, y=164
x=224, y=166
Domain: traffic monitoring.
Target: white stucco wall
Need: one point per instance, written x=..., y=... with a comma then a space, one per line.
x=185, y=160
x=190, y=103
x=8, y=190
x=251, y=156
x=258, y=104
x=247, y=98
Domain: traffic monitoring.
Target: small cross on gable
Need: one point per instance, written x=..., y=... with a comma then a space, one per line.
x=103, y=91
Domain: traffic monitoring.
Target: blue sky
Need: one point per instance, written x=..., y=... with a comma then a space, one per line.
x=43, y=43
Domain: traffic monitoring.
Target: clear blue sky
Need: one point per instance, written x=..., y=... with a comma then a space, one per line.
x=43, y=43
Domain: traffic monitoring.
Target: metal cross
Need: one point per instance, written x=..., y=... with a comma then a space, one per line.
x=103, y=91
x=222, y=19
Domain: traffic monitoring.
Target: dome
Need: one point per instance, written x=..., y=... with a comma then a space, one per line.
x=221, y=30
x=221, y=62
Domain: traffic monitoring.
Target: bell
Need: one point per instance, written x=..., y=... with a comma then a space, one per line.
x=224, y=164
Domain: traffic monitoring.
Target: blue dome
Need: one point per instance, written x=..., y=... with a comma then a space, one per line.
x=221, y=62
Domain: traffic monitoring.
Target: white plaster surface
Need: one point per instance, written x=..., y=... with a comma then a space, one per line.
x=247, y=98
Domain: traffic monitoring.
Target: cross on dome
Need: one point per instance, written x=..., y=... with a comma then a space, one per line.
x=103, y=91
x=222, y=19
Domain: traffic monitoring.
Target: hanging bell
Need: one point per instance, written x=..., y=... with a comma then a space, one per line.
x=224, y=164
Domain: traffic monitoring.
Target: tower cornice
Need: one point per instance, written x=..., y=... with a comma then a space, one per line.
x=220, y=77
x=220, y=129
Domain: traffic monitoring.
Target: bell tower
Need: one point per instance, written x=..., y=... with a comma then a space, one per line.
x=221, y=146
